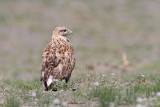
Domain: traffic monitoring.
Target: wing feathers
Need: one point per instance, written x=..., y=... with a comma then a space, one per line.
x=58, y=60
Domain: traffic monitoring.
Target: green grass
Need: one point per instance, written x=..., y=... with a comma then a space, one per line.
x=124, y=95
x=12, y=102
x=122, y=92
x=105, y=95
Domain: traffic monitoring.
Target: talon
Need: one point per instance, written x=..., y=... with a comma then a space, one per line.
x=44, y=91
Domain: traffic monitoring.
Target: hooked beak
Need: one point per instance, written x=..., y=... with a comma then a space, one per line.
x=70, y=32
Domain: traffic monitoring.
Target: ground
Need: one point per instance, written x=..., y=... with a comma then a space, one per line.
x=105, y=32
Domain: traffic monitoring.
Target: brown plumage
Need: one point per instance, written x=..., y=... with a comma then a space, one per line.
x=58, y=58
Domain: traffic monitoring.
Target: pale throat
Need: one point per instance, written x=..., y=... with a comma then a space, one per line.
x=59, y=37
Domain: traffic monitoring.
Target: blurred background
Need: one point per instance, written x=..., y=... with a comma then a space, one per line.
x=103, y=30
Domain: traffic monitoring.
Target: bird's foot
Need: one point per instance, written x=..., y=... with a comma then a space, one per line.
x=44, y=91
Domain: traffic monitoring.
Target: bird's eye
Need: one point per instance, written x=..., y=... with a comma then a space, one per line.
x=64, y=30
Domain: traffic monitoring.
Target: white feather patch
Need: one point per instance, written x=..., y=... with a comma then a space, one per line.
x=57, y=54
x=66, y=55
x=42, y=74
x=62, y=37
x=50, y=80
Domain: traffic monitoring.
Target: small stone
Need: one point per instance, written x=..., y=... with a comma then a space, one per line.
x=65, y=103
x=103, y=75
x=61, y=90
x=33, y=94
x=96, y=84
x=158, y=94
x=112, y=74
x=139, y=100
x=56, y=101
x=140, y=105
x=143, y=76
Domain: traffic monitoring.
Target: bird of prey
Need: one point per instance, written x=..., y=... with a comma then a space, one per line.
x=58, y=58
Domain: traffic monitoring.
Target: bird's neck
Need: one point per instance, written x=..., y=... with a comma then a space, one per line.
x=59, y=37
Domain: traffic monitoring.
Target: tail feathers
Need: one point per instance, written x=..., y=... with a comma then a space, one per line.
x=50, y=80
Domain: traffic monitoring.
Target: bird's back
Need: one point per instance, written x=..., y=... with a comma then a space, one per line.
x=58, y=59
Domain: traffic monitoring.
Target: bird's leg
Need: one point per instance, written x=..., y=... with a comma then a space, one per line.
x=66, y=80
x=46, y=88
x=54, y=89
x=50, y=87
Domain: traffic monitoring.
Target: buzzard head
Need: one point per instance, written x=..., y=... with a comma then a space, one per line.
x=61, y=31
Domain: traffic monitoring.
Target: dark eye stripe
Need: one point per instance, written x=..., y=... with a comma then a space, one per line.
x=63, y=30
